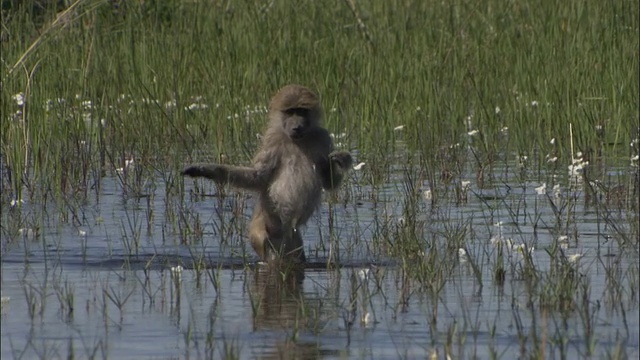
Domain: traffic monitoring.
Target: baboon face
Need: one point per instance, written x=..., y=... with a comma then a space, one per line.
x=296, y=109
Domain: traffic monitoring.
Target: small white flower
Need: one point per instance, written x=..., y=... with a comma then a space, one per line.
x=418, y=109
x=333, y=110
x=359, y=166
x=505, y=129
x=197, y=106
x=552, y=159
x=171, y=104
x=176, y=272
x=82, y=233
x=103, y=122
x=497, y=110
x=398, y=128
x=635, y=158
x=553, y=141
x=463, y=256
x=19, y=98
x=534, y=103
x=473, y=132
x=542, y=189
x=87, y=104
x=366, y=318
x=465, y=185
x=598, y=127
x=575, y=258
x=520, y=248
x=28, y=233
x=498, y=224
x=427, y=194
x=16, y=202
x=363, y=274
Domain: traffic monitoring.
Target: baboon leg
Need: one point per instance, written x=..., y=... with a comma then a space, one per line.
x=258, y=234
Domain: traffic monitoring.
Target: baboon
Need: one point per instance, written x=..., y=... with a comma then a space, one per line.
x=295, y=161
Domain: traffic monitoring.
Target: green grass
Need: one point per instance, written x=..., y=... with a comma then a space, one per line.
x=104, y=86
x=452, y=60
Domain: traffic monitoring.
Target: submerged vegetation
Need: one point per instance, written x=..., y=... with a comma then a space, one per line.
x=497, y=146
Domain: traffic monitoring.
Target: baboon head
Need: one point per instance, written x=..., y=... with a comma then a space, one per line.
x=296, y=109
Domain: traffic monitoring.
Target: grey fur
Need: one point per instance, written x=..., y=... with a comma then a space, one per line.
x=296, y=160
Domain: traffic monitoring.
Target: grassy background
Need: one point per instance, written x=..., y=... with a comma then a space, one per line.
x=428, y=65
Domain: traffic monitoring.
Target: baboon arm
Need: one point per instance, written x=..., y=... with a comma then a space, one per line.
x=249, y=178
x=332, y=170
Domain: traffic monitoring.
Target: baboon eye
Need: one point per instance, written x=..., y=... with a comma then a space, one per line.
x=302, y=112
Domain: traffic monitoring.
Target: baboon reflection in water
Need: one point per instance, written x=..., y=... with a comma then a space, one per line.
x=295, y=161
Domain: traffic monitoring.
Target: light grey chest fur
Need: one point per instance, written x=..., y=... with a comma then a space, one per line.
x=296, y=189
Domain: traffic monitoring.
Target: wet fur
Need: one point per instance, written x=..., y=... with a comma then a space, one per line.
x=295, y=161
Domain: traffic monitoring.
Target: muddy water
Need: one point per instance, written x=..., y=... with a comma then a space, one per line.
x=94, y=277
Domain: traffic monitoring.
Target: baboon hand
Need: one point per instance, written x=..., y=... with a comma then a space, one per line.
x=213, y=172
x=342, y=159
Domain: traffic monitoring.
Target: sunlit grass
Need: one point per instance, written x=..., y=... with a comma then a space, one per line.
x=527, y=108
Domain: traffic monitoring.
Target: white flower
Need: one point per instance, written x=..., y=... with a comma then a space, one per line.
x=635, y=158
x=473, y=132
x=366, y=318
x=497, y=110
x=504, y=129
x=197, y=106
x=16, y=202
x=418, y=109
x=427, y=194
x=534, y=103
x=19, y=98
x=176, y=272
x=363, y=274
x=575, y=258
x=520, y=248
x=171, y=104
x=359, y=166
x=552, y=159
x=496, y=240
x=398, y=128
x=28, y=233
x=542, y=189
x=465, y=185
x=553, y=141
x=463, y=256
x=82, y=233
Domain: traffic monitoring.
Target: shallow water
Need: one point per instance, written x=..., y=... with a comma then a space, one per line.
x=112, y=254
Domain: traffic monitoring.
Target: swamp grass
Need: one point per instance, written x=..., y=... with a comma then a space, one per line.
x=441, y=70
x=428, y=94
